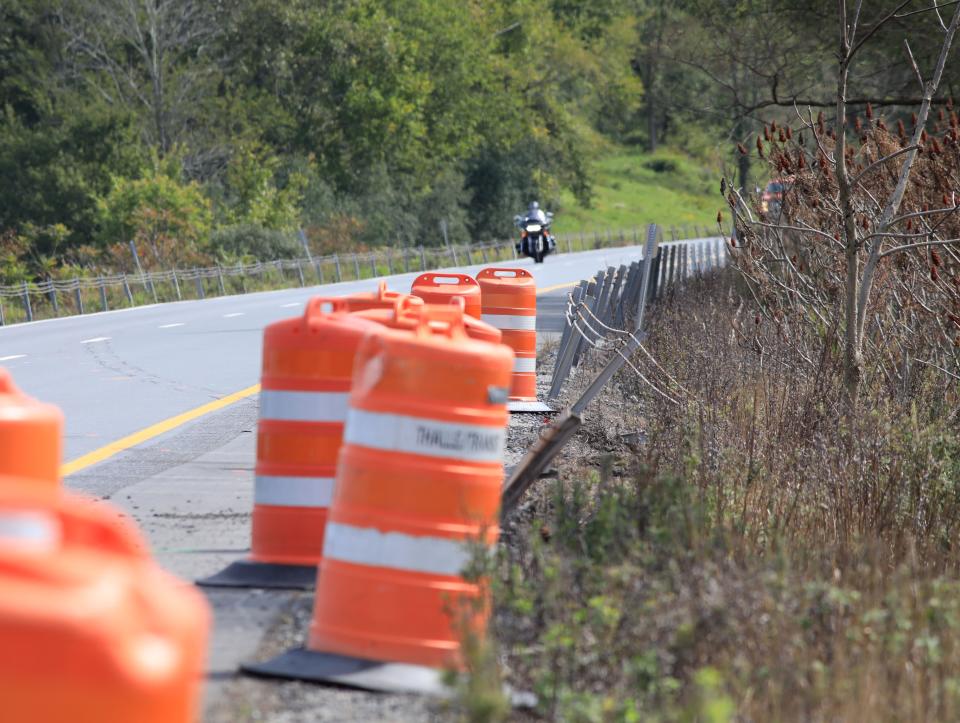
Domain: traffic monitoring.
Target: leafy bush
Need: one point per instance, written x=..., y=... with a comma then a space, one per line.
x=255, y=242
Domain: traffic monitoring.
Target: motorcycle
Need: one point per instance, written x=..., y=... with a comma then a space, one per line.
x=535, y=238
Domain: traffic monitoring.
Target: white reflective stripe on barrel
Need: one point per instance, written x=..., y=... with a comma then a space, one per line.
x=29, y=530
x=509, y=322
x=524, y=365
x=289, y=406
x=396, y=550
x=293, y=491
x=429, y=437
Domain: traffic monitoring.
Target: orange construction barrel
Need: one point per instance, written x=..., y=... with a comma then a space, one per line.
x=440, y=288
x=91, y=629
x=418, y=491
x=382, y=298
x=31, y=435
x=509, y=302
x=305, y=382
x=406, y=313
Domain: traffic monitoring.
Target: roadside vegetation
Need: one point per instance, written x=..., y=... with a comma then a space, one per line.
x=735, y=546
x=632, y=188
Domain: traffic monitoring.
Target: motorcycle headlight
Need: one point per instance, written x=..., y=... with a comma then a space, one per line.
x=533, y=228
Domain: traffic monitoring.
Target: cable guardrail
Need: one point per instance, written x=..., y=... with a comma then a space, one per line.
x=605, y=306
x=606, y=315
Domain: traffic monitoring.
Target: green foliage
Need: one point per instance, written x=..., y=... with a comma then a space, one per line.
x=632, y=189
x=253, y=194
x=373, y=123
x=173, y=218
x=250, y=242
x=51, y=172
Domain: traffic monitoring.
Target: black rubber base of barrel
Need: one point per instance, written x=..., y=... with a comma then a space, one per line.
x=247, y=573
x=516, y=406
x=342, y=670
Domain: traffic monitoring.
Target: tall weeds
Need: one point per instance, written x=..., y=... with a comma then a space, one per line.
x=762, y=556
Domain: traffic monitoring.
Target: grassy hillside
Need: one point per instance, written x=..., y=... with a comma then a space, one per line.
x=632, y=188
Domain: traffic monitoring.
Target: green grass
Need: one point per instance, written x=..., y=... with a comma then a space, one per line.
x=632, y=188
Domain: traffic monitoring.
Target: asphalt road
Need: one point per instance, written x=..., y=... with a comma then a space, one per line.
x=118, y=372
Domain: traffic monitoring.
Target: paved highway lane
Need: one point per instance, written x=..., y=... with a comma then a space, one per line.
x=116, y=373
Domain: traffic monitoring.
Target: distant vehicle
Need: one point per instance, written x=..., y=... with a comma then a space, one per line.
x=536, y=241
x=771, y=201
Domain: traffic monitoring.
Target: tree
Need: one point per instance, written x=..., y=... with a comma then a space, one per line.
x=845, y=222
x=149, y=56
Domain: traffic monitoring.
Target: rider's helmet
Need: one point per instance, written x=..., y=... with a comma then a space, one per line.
x=534, y=207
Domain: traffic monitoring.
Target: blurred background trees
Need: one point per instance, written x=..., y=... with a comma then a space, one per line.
x=223, y=128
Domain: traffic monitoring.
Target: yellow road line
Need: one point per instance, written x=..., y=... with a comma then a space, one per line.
x=109, y=450
x=548, y=289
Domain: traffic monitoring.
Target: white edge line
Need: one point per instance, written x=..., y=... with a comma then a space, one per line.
x=230, y=316
x=287, y=306
x=95, y=339
x=170, y=326
x=12, y=357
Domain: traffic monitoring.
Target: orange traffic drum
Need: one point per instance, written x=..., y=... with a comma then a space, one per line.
x=406, y=313
x=382, y=298
x=440, y=288
x=31, y=435
x=91, y=629
x=305, y=382
x=509, y=302
x=418, y=493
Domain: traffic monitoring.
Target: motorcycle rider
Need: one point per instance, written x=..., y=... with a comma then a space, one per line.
x=535, y=214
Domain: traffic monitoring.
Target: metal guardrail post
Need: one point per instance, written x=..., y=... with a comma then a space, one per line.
x=356, y=266
x=374, y=271
x=28, y=309
x=628, y=298
x=605, y=296
x=103, y=294
x=199, y=284
x=53, y=296
x=223, y=288
x=3, y=319
x=303, y=282
x=336, y=263
x=651, y=256
x=591, y=304
x=176, y=284
x=78, y=296
x=561, y=367
x=126, y=290
x=423, y=259
x=616, y=296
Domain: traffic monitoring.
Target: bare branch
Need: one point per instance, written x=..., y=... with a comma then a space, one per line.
x=913, y=63
x=876, y=26
x=881, y=161
x=935, y=8
x=919, y=244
